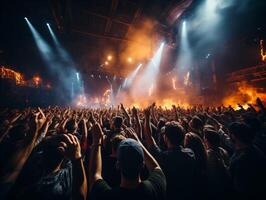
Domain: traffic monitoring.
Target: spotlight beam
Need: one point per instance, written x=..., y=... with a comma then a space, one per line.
x=128, y=81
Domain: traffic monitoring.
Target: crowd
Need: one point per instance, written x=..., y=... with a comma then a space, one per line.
x=118, y=153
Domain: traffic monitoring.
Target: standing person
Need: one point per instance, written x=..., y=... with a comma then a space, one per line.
x=248, y=163
x=219, y=182
x=178, y=163
x=131, y=157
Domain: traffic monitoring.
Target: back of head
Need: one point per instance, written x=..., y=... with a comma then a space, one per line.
x=174, y=133
x=242, y=132
x=115, y=141
x=51, y=157
x=194, y=142
x=130, y=158
x=212, y=137
x=196, y=123
x=71, y=125
x=117, y=122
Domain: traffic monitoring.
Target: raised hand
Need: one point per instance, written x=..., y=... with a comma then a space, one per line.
x=97, y=134
x=70, y=147
x=39, y=119
x=147, y=112
x=134, y=111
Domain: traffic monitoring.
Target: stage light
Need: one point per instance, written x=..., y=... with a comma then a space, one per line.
x=25, y=18
x=128, y=81
x=109, y=57
x=143, y=87
x=77, y=74
x=129, y=59
x=48, y=24
x=106, y=63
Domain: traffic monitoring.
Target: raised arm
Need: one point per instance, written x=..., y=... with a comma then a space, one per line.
x=21, y=151
x=147, y=129
x=71, y=150
x=95, y=164
x=126, y=115
x=137, y=121
x=150, y=161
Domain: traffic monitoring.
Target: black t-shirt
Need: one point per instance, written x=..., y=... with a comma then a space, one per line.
x=110, y=173
x=248, y=170
x=180, y=169
x=151, y=189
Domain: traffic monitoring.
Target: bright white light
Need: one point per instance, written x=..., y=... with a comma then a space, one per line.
x=26, y=18
x=128, y=81
x=47, y=24
x=184, y=29
x=149, y=77
x=211, y=5
x=77, y=76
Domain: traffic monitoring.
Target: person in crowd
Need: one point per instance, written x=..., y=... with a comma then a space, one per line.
x=118, y=152
x=110, y=172
x=218, y=178
x=248, y=163
x=195, y=143
x=178, y=163
x=131, y=156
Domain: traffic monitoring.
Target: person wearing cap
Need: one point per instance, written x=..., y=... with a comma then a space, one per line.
x=131, y=157
x=178, y=163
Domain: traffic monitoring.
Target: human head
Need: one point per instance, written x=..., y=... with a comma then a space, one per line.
x=117, y=122
x=115, y=141
x=130, y=158
x=71, y=126
x=196, y=124
x=51, y=156
x=174, y=134
x=241, y=133
x=194, y=142
x=211, y=139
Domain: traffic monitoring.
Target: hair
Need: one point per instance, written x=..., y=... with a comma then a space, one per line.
x=70, y=125
x=196, y=123
x=194, y=142
x=175, y=133
x=118, y=121
x=242, y=132
x=115, y=141
x=212, y=138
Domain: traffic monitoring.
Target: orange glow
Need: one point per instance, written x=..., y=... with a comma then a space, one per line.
x=109, y=57
x=129, y=59
x=106, y=63
x=244, y=95
x=262, y=53
x=11, y=74
x=168, y=103
x=36, y=80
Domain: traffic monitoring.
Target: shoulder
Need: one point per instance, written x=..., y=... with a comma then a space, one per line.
x=156, y=182
x=188, y=152
x=100, y=189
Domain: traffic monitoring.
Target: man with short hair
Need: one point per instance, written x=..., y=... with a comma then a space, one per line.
x=131, y=157
x=178, y=163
